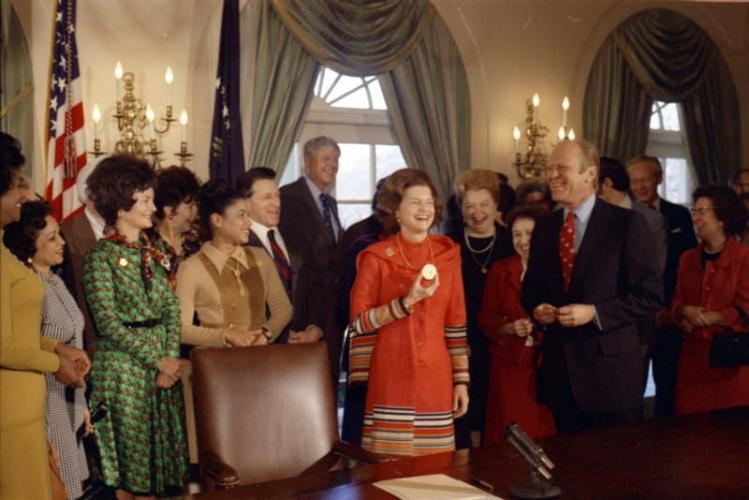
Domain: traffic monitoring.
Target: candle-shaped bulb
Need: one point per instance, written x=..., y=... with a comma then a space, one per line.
x=118, y=70
x=536, y=100
x=516, y=133
x=168, y=75
x=96, y=114
x=571, y=135
x=150, y=115
x=561, y=133
x=183, y=118
x=566, y=103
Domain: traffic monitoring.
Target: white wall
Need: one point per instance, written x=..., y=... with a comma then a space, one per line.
x=511, y=48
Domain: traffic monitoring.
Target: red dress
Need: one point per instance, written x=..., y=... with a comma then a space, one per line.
x=719, y=285
x=413, y=361
x=512, y=377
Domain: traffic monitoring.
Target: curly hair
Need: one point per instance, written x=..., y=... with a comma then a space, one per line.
x=213, y=198
x=114, y=183
x=727, y=206
x=174, y=185
x=11, y=160
x=20, y=236
x=391, y=195
x=477, y=179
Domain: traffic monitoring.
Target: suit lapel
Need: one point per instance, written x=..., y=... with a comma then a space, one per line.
x=585, y=254
x=311, y=207
x=83, y=233
x=557, y=218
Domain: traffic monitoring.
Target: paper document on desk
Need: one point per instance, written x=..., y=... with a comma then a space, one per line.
x=432, y=487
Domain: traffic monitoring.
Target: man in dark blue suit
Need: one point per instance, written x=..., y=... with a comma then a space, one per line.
x=590, y=280
x=310, y=226
x=645, y=174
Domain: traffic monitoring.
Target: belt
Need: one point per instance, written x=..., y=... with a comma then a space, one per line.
x=146, y=323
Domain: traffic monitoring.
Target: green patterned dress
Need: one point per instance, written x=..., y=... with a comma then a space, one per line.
x=142, y=439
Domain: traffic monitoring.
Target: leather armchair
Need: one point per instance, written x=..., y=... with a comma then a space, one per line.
x=266, y=413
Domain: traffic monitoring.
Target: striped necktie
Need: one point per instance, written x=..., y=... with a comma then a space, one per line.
x=327, y=213
x=282, y=263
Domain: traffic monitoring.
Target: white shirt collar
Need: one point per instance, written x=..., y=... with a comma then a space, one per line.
x=97, y=225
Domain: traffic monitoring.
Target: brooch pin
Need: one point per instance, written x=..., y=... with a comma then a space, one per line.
x=123, y=262
x=389, y=252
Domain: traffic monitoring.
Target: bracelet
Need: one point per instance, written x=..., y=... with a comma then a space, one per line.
x=402, y=303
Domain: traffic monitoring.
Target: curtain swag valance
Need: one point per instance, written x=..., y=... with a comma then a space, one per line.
x=357, y=37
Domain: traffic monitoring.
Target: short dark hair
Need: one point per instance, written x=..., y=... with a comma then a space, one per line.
x=174, y=185
x=727, y=206
x=736, y=177
x=247, y=179
x=529, y=187
x=20, y=236
x=213, y=198
x=611, y=168
x=525, y=212
x=391, y=195
x=11, y=160
x=115, y=181
x=507, y=198
x=378, y=188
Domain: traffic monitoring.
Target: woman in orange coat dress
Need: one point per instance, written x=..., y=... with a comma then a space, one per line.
x=712, y=296
x=409, y=333
x=512, y=376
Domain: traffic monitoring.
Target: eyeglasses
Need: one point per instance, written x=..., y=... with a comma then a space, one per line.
x=701, y=211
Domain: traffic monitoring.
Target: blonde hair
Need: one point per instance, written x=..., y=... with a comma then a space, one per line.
x=476, y=179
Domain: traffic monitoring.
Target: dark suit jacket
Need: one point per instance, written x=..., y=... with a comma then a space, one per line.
x=79, y=239
x=680, y=238
x=300, y=292
x=614, y=270
x=304, y=232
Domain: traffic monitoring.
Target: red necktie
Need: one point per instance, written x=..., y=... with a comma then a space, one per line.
x=282, y=263
x=567, y=248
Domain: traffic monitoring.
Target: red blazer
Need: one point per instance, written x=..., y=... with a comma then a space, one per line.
x=501, y=305
x=723, y=285
x=719, y=285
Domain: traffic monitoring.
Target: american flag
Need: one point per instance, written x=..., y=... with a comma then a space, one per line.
x=66, y=144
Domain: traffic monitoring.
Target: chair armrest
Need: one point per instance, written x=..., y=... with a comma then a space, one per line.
x=359, y=454
x=222, y=474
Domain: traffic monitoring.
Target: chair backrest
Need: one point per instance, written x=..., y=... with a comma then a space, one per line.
x=269, y=412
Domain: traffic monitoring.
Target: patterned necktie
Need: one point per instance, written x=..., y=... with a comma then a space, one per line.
x=327, y=213
x=282, y=263
x=567, y=248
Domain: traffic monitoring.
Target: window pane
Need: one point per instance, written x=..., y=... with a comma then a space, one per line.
x=345, y=84
x=350, y=214
x=670, y=114
x=291, y=173
x=328, y=77
x=357, y=100
x=378, y=100
x=655, y=121
x=389, y=159
x=679, y=182
x=354, y=180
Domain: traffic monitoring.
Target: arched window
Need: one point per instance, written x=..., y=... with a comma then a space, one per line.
x=668, y=142
x=352, y=111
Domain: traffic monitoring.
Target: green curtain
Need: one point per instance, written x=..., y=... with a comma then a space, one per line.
x=357, y=37
x=429, y=103
x=285, y=76
x=672, y=59
x=16, y=87
x=616, y=110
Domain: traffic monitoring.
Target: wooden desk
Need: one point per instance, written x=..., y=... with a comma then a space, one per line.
x=699, y=456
